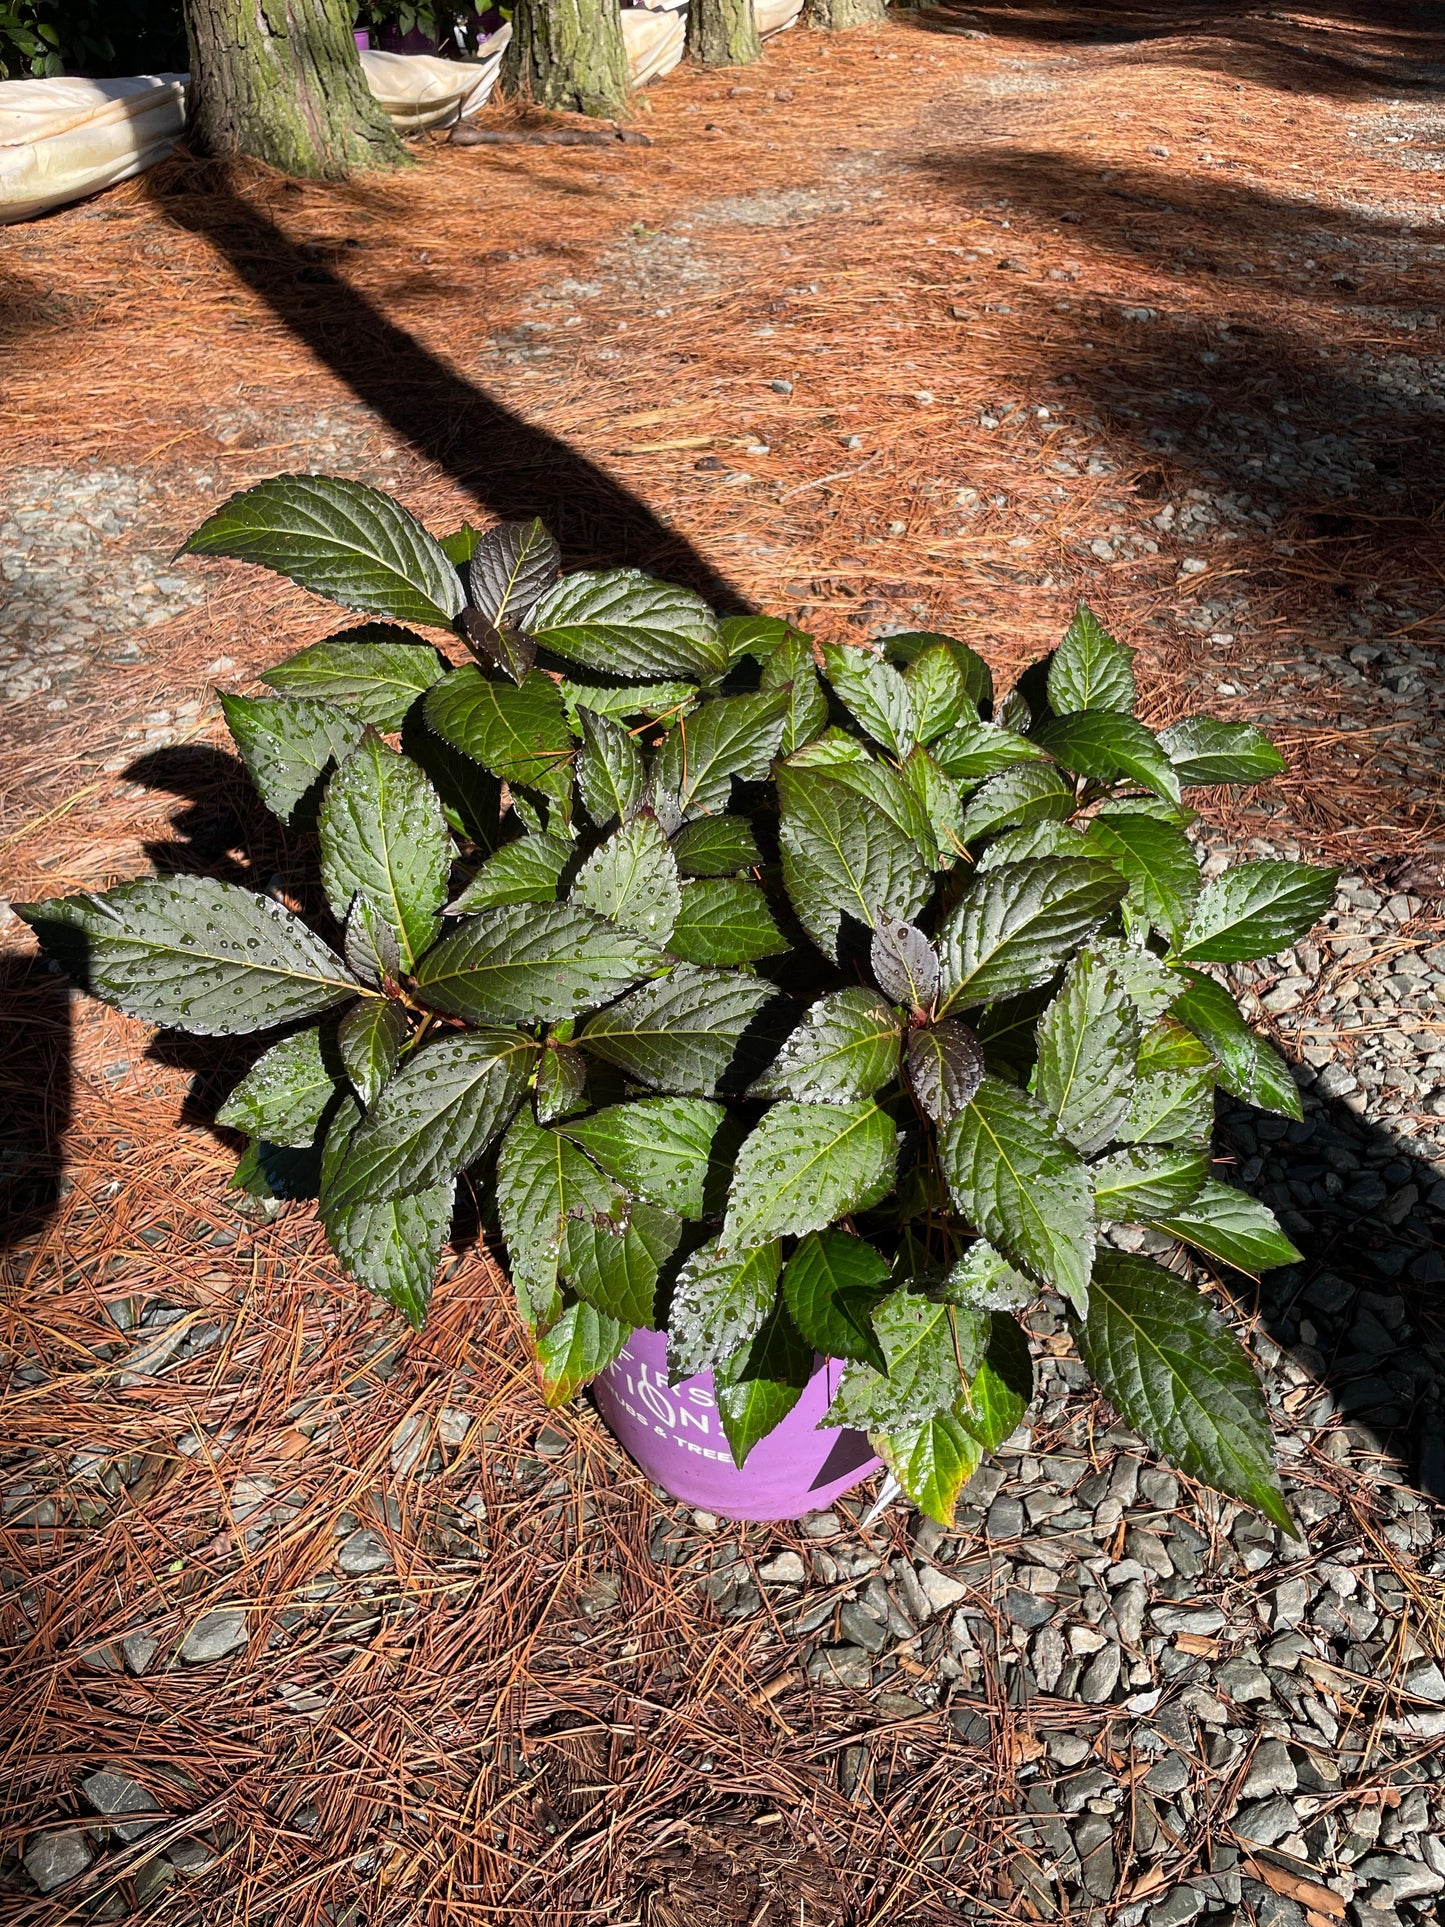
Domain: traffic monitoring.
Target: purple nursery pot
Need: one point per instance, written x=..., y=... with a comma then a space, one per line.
x=363, y=40
x=673, y=1433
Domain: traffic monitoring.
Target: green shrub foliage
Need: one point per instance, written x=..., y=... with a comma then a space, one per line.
x=795, y=1001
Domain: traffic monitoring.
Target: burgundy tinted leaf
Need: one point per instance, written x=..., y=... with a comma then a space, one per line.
x=498, y=645
x=945, y=1067
x=905, y=964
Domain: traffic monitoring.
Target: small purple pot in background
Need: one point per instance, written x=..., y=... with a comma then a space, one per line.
x=363, y=40
x=672, y=1431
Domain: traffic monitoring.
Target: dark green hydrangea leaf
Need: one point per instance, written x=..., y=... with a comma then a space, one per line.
x=543, y=1182
x=340, y=539
x=844, y=855
x=659, y=1147
x=1026, y=1190
x=436, y=1116
x=938, y=691
x=790, y=670
x=1018, y=925
x=1039, y=839
x=1232, y=1227
x=975, y=751
x=1002, y=1389
x=1007, y=1032
x=471, y=797
x=1205, y=750
x=531, y=963
x=375, y=672
x=932, y=1461
x=284, y=1095
x=561, y=1082
x=632, y=880
x=1249, y=1068
x=570, y=1353
x=725, y=920
x=1088, y=1053
x=830, y=1286
x=942, y=800
x=1168, y=1046
x=460, y=546
x=875, y=693
x=758, y=1387
x=1031, y=793
x=804, y=1166
x=609, y=770
x=757, y=636
x=1159, y=862
x=383, y=835
x=392, y=1246
x=517, y=731
x=945, y=1067
x=682, y=1033
x=1169, y=1108
x=984, y=1279
x=370, y=944
x=715, y=846
x=664, y=700
x=721, y=1301
x=1089, y=670
x=370, y=1040
x=510, y=568
x=289, y=747
x=1148, y=1181
x=907, y=647
x=1151, y=984
x=627, y=624
x=615, y=1268
x=528, y=870
x=929, y=1346
x=905, y=963
x=389, y=1245
x=1105, y=745
x=735, y=737
x=1169, y=1366
x=207, y=957
x=845, y=1048
x=1255, y=909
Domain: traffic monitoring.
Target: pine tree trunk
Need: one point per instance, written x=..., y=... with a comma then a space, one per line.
x=832, y=15
x=722, y=33
x=280, y=82
x=568, y=54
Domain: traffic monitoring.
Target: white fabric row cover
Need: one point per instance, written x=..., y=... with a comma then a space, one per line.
x=65, y=138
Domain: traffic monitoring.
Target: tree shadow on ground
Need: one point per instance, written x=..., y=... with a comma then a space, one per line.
x=1246, y=386
x=510, y=466
x=1352, y=49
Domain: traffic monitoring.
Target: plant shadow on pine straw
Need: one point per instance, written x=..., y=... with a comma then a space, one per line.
x=1352, y=49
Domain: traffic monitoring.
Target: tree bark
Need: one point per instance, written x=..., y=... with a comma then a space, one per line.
x=722, y=33
x=568, y=54
x=833, y=15
x=280, y=81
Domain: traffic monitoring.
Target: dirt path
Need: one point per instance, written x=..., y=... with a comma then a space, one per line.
x=940, y=328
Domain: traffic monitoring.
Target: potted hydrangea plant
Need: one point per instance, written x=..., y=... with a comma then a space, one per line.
x=791, y=1004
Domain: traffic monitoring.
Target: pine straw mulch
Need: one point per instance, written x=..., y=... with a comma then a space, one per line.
x=532, y=1714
